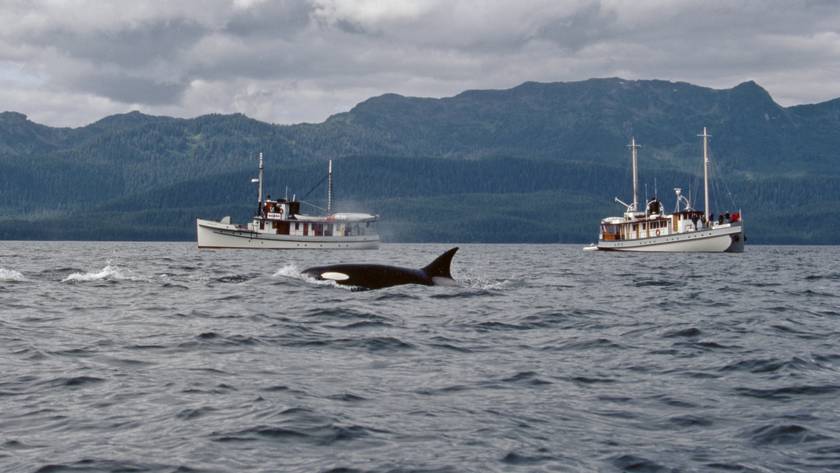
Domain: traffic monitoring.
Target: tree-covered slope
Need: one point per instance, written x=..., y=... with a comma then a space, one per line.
x=548, y=156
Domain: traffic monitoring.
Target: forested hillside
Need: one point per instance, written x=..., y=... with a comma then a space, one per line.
x=536, y=163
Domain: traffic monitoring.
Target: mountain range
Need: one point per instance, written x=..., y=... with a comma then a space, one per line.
x=540, y=162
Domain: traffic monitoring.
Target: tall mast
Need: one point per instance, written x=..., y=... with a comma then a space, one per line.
x=261, y=180
x=633, y=146
x=329, y=188
x=706, y=136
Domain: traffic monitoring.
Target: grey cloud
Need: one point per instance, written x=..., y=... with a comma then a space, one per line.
x=279, y=19
x=312, y=54
x=132, y=46
x=581, y=28
x=125, y=88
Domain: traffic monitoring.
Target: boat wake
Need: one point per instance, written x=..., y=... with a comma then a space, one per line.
x=10, y=275
x=109, y=273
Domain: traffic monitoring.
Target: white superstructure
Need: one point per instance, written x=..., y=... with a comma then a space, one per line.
x=685, y=230
x=278, y=224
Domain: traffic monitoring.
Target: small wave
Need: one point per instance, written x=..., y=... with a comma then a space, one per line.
x=788, y=392
x=464, y=293
x=598, y=343
x=108, y=273
x=798, y=333
x=10, y=275
x=97, y=464
x=169, y=285
x=74, y=382
x=450, y=347
x=362, y=325
x=657, y=283
x=784, y=434
x=729, y=467
x=813, y=293
x=371, y=344
x=345, y=314
x=17, y=445
x=235, y=278
x=396, y=296
x=689, y=332
x=591, y=380
x=307, y=431
x=213, y=338
x=690, y=420
x=529, y=377
x=674, y=402
x=456, y=388
x=493, y=326
x=190, y=413
x=523, y=378
x=375, y=344
x=816, y=277
x=514, y=458
x=636, y=463
x=771, y=365
x=346, y=397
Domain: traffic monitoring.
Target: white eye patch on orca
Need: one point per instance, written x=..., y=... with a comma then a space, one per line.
x=334, y=276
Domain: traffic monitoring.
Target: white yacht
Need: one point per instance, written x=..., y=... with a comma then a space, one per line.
x=278, y=224
x=684, y=230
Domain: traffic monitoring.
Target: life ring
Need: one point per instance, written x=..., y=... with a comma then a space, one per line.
x=280, y=210
x=657, y=232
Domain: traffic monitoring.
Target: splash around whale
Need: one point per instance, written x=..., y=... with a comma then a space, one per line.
x=377, y=276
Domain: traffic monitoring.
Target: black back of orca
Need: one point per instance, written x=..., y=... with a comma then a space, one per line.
x=378, y=276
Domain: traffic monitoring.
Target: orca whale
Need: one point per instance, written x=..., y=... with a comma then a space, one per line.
x=377, y=276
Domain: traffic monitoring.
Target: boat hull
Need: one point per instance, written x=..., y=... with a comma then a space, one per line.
x=218, y=235
x=728, y=239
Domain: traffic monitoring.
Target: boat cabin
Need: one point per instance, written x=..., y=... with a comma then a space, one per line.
x=283, y=217
x=655, y=223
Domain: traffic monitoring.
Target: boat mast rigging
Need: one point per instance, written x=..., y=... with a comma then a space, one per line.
x=329, y=189
x=633, y=146
x=634, y=206
x=706, y=137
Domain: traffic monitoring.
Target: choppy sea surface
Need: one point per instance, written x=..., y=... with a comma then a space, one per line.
x=135, y=357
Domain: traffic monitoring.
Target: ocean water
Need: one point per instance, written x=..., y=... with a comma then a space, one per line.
x=135, y=357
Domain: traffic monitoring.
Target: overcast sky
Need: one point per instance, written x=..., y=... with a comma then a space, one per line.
x=69, y=63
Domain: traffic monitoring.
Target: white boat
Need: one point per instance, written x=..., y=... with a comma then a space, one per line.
x=278, y=224
x=686, y=230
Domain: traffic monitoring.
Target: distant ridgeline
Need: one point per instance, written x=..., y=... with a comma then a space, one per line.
x=535, y=163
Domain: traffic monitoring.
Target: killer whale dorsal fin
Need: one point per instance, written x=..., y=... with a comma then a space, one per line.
x=440, y=267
